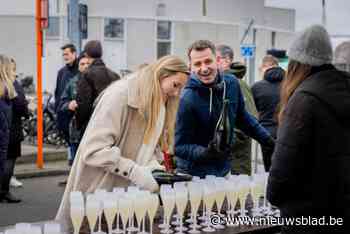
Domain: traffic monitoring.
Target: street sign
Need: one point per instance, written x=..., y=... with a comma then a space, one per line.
x=247, y=50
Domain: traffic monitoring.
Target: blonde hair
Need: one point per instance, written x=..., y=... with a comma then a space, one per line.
x=152, y=98
x=7, y=77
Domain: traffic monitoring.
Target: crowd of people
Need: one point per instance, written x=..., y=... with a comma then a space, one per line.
x=205, y=116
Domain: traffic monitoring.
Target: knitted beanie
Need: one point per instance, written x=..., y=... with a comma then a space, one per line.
x=312, y=46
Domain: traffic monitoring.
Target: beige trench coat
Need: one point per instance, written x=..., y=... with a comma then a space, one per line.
x=109, y=147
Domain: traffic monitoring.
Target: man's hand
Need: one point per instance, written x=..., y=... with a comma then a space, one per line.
x=269, y=145
x=72, y=105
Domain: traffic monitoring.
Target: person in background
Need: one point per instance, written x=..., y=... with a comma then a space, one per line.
x=241, y=161
x=280, y=55
x=22, y=110
x=266, y=93
x=132, y=123
x=65, y=74
x=310, y=170
x=342, y=56
x=202, y=100
x=19, y=110
x=92, y=83
x=7, y=94
x=69, y=104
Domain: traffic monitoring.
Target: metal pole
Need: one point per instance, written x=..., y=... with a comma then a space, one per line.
x=74, y=29
x=39, y=52
x=251, y=60
x=204, y=7
x=251, y=82
x=324, y=18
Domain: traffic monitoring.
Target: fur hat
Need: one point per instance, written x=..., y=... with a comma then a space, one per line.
x=93, y=49
x=312, y=46
x=342, y=53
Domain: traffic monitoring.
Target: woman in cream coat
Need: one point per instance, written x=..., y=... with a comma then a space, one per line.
x=132, y=121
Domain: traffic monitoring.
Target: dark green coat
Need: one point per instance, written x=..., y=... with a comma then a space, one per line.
x=241, y=161
x=69, y=94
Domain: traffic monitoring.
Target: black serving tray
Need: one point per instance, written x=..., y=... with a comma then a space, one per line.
x=163, y=177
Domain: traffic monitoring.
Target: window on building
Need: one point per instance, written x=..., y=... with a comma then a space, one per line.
x=163, y=38
x=161, y=9
x=114, y=28
x=54, y=27
x=273, y=39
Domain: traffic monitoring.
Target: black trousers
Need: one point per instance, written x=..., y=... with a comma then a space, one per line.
x=9, y=167
x=14, y=151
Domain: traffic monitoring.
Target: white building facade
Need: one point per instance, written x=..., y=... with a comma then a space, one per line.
x=139, y=31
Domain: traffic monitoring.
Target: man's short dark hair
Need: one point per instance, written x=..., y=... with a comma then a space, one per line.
x=225, y=51
x=71, y=47
x=201, y=45
x=81, y=56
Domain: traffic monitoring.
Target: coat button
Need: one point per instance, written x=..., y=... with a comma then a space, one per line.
x=116, y=170
x=125, y=173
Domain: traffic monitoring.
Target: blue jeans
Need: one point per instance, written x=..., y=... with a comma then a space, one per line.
x=72, y=150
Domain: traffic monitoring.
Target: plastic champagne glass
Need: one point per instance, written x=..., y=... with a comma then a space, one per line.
x=243, y=191
x=110, y=210
x=93, y=206
x=12, y=231
x=77, y=216
x=34, y=230
x=23, y=227
x=52, y=228
x=125, y=205
x=132, y=193
x=163, y=189
x=140, y=204
x=168, y=198
x=152, y=209
x=178, y=185
x=195, y=196
x=220, y=193
x=181, y=199
x=209, y=200
x=101, y=195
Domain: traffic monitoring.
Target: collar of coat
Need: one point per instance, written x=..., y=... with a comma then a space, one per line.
x=133, y=91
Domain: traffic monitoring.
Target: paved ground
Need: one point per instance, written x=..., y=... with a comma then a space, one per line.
x=41, y=197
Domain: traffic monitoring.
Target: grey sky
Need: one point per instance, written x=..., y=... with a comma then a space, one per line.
x=310, y=12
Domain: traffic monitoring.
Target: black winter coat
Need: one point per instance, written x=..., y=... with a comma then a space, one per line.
x=266, y=95
x=89, y=86
x=5, y=125
x=310, y=172
x=19, y=110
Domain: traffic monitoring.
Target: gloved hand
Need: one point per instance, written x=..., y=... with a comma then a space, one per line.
x=154, y=165
x=143, y=178
x=269, y=146
x=211, y=154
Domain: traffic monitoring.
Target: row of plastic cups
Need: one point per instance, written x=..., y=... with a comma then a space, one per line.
x=27, y=228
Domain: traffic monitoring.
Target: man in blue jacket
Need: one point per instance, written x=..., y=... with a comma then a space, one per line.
x=199, y=111
x=65, y=74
